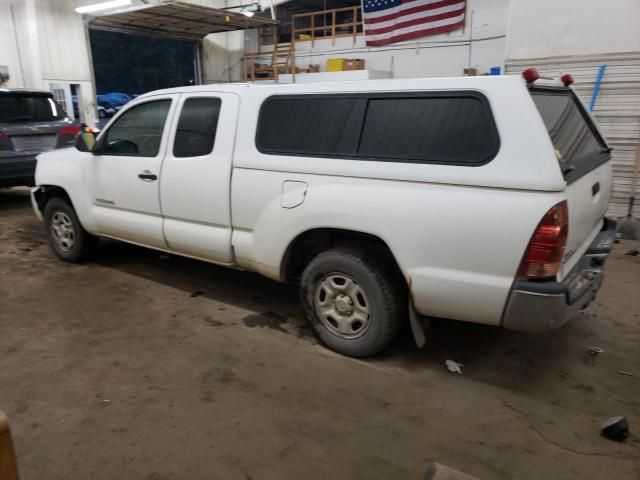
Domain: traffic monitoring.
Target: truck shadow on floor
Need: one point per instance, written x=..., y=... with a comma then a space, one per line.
x=489, y=354
x=537, y=365
x=14, y=199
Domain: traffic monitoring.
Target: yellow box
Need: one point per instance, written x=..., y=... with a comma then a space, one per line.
x=335, y=64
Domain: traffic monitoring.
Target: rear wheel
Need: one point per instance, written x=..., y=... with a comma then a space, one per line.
x=67, y=238
x=352, y=302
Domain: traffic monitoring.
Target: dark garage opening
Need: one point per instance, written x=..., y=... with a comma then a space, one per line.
x=135, y=64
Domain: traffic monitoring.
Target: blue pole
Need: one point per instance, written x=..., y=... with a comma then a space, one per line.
x=596, y=87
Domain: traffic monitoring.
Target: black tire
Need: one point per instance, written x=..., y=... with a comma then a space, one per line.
x=384, y=299
x=83, y=244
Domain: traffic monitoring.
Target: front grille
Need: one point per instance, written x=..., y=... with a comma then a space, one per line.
x=41, y=143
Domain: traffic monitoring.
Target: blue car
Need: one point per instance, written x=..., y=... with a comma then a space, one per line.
x=116, y=99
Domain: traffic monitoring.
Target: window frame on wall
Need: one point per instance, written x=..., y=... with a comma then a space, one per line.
x=490, y=134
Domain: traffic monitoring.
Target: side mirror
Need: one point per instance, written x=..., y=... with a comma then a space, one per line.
x=86, y=141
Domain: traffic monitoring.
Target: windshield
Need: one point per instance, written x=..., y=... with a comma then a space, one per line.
x=28, y=107
x=579, y=146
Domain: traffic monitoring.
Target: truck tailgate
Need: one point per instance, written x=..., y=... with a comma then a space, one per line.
x=587, y=198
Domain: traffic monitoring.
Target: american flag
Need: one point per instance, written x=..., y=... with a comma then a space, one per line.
x=390, y=21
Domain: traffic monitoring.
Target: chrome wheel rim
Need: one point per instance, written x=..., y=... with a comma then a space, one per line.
x=62, y=230
x=342, y=306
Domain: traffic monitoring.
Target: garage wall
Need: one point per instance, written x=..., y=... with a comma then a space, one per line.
x=481, y=44
x=222, y=56
x=8, y=46
x=577, y=36
x=548, y=28
x=23, y=50
x=63, y=46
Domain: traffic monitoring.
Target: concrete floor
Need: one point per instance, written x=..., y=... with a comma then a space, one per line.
x=112, y=369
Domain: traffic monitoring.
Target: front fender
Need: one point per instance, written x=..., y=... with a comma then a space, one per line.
x=67, y=169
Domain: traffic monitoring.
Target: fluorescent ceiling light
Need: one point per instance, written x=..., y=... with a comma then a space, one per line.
x=251, y=9
x=96, y=7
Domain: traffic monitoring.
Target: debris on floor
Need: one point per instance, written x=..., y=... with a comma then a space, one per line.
x=196, y=294
x=454, y=367
x=628, y=374
x=633, y=253
x=616, y=428
x=440, y=472
x=595, y=351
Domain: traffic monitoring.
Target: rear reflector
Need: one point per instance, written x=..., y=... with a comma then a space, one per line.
x=69, y=130
x=531, y=75
x=544, y=253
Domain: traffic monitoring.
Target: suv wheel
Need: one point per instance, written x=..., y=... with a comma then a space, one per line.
x=351, y=302
x=67, y=238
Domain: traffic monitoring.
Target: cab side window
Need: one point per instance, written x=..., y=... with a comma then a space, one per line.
x=138, y=132
x=196, y=133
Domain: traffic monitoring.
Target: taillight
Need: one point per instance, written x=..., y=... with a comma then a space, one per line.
x=544, y=253
x=69, y=130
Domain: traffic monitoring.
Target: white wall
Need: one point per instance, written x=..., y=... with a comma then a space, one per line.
x=43, y=42
x=549, y=28
x=8, y=46
x=222, y=56
x=63, y=45
x=21, y=52
x=481, y=45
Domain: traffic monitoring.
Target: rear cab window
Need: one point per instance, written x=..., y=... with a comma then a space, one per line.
x=29, y=107
x=451, y=128
x=579, y=146
x=196, y=131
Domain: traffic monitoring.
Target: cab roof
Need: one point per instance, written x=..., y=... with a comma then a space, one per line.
x=348, y=86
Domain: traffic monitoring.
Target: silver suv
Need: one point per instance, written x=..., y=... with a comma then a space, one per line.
x=31, y=122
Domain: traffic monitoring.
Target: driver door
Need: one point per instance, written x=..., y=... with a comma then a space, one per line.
x=125, y=172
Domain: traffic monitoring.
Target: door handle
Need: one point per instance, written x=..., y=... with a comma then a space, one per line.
x=595, y=188
x=147, y=176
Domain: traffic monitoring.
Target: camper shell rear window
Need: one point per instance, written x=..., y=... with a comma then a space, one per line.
x=451, y=128
x=579, y=146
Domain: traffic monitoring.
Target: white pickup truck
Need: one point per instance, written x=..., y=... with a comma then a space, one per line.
x=479, y=199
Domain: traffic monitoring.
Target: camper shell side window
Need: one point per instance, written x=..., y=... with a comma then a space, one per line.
x=450, y=128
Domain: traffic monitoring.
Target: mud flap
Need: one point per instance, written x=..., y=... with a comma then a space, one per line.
x=420, y=327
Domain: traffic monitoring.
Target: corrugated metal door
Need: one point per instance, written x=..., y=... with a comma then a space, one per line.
x=617, y=110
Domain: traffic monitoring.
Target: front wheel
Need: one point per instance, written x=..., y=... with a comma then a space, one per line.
x=352, y=302
x=68, y=240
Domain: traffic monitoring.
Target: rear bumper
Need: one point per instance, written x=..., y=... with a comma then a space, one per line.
x=543, y=306
x=17, y=168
